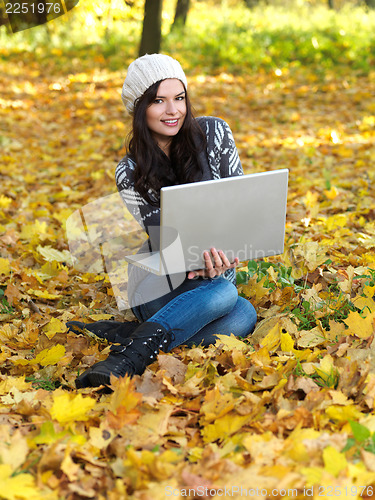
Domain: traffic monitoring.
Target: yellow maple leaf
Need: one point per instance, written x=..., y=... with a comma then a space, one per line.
x=298, y=452
x=336, y=221
x=303, y=434
x=326, y=363
x=311, y=199
x=34, y=231
x=331, y=193
x=124, y=394
x=100, y=437
x=359, y=326
x=62, y=216
x=335, y=330
x=224, y=427
x=366, y=303
x=327, y=371
x=311, y=338
x=261, y=357
x=5, y=201
x=362, y=475
x=123, y=403
x=195, y=454
x=54, y=326
x=150, y=426
x=15, y=396
x=313, y=475
x=272, y=340
x=14, y=382
x=50, y=254
x=49, y=356
x=287, y=342
x=4, y=266
x=231, y=342
x=69, y=408
x=216, y=405
x=343, y=413
x=49, y=270
x=255, y=289
x=312, y=254
x=334, y=461
x=369, y=291
x=19, y=487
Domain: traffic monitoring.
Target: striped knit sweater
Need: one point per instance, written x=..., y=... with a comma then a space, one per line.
x=219, y=160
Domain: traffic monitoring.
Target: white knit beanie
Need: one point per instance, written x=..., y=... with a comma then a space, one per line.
x=144, y=72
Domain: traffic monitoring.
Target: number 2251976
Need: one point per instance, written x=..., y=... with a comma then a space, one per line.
x=25, y=8
x=336, y=491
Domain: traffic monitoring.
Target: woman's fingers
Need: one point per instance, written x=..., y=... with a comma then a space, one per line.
x=224, y=259
x=208, y=261
x=211, y=270
x=217, y=258
x=203, y=272
x=235, y=262
x=221, y=262
x=215, y=265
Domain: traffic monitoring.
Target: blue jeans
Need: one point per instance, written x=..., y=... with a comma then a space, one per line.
x=198, y=310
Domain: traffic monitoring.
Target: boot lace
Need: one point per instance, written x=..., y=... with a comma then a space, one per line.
x=141, y=350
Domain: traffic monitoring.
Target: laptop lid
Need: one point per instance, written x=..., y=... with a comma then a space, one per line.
x=244, y=216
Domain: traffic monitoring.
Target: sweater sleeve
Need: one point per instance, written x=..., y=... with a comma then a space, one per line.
x=145, y=213
x=221, y=148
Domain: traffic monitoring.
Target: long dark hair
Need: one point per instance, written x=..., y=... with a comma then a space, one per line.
x=154, y=169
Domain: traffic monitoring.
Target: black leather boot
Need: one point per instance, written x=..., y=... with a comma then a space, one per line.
x=114, y=332
x=131, y=359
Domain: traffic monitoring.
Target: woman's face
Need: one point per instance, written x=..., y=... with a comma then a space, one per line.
x=166, y=114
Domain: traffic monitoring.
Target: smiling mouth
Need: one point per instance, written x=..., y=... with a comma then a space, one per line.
x=170, y=123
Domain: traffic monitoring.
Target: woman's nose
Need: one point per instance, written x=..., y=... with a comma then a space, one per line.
x=171, y=108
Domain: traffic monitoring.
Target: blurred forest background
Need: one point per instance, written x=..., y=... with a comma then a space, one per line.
x=231, y=35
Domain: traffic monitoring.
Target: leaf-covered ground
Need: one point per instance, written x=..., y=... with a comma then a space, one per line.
x=288, y=412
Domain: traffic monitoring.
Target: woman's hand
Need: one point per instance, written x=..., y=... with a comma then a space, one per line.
x=219, y=265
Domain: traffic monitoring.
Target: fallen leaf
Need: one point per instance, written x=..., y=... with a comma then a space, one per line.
x=69, y=408
x=49, y=356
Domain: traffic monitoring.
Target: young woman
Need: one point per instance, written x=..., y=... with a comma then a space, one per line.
x=169, y=146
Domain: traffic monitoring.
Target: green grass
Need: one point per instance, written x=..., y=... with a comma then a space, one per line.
x=5, y=307
x=45, y=383
x=228, y=38
x=336, y=305
x=276, y=37
x=331, y=380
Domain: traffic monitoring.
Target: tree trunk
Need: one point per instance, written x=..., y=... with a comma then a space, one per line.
x=331, y=4
x=151, y=33
x=108, y=22
x=370, y=4
x=3, y=18
x=182, y=9
x=250, y=4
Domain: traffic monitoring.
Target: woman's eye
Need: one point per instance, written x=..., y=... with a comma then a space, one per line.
x=180, y=98
x=158, y=101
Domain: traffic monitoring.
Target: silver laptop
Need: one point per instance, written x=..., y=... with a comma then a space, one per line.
x=244, y=216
